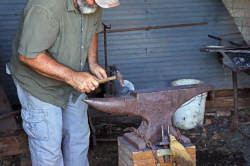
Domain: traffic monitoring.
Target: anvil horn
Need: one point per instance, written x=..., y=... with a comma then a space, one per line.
x=121, y=105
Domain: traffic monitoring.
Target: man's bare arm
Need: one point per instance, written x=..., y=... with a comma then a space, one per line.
x=46, y=66
x=94, y=67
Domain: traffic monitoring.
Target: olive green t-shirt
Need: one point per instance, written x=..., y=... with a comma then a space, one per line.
x=59, y=29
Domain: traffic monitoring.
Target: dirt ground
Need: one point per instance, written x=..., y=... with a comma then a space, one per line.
x=220, y=146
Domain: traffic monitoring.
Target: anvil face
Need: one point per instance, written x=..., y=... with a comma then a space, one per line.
x=156, y=107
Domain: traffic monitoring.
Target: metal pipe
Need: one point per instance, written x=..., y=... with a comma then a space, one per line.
x=235, y=89
x=155, y=27
x=105, y=27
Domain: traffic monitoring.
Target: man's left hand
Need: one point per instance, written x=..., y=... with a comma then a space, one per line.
x=98, y=71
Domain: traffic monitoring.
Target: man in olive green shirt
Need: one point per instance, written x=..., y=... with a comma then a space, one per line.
x=53, y=41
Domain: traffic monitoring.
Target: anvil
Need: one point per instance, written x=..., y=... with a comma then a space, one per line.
x=155, y=107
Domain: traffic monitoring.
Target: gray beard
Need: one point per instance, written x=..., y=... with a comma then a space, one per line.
x=86, y=8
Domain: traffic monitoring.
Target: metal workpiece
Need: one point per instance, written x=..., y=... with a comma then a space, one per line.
x=155, y=107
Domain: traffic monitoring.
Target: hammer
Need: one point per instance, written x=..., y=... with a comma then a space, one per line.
x=117, y=76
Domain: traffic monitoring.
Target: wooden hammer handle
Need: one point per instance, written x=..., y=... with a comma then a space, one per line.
x=106, y=80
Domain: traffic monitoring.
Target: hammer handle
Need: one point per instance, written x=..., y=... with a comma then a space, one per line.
x=106, y=80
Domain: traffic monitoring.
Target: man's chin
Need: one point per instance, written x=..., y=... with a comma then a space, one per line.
x=87, y=10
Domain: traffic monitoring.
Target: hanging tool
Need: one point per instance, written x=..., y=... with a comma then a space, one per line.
x=107, y=87
x=225, y=41
x=105, y=27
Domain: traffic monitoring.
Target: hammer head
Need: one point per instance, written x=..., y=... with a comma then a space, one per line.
x=115, y=71
x=119, y=77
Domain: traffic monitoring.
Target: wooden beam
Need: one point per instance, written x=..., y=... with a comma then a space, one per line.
x=14, y=145
x=226, y=103
x=7, y=124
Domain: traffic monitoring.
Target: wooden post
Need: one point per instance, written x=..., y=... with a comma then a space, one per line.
x=130, y=156
x=8, y=123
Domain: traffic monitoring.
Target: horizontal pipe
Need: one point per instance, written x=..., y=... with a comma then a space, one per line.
x=106, y=140
x=7, y=115
x=154, y=27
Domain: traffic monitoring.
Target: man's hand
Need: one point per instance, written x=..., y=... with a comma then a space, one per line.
x=98, y=71
x=83, y=82
x=46, y=66
x=94, y=67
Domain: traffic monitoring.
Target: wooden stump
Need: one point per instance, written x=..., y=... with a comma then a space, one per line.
x=8, y=124
x=14, y=145
x=130, y=156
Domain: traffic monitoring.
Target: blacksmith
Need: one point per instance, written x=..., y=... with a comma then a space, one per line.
x=53, y=41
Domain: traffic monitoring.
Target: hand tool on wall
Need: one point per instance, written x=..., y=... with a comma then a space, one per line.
x=111, y=89
x=105, y=27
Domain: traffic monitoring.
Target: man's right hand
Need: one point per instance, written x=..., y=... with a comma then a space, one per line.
x=83, y=82
x=48, y=67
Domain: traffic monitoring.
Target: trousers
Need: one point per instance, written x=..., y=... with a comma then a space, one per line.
x=57, y=136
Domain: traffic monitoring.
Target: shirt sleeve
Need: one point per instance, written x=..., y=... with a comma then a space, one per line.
x=39, y=32
x=99, y=23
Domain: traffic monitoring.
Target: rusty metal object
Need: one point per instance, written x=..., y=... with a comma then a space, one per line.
x=154, y=27
x=148, y=143
x=155, y=107
x=7, y=120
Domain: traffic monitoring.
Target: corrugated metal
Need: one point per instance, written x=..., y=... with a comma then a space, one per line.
x=148, y=58
x=154, y=58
